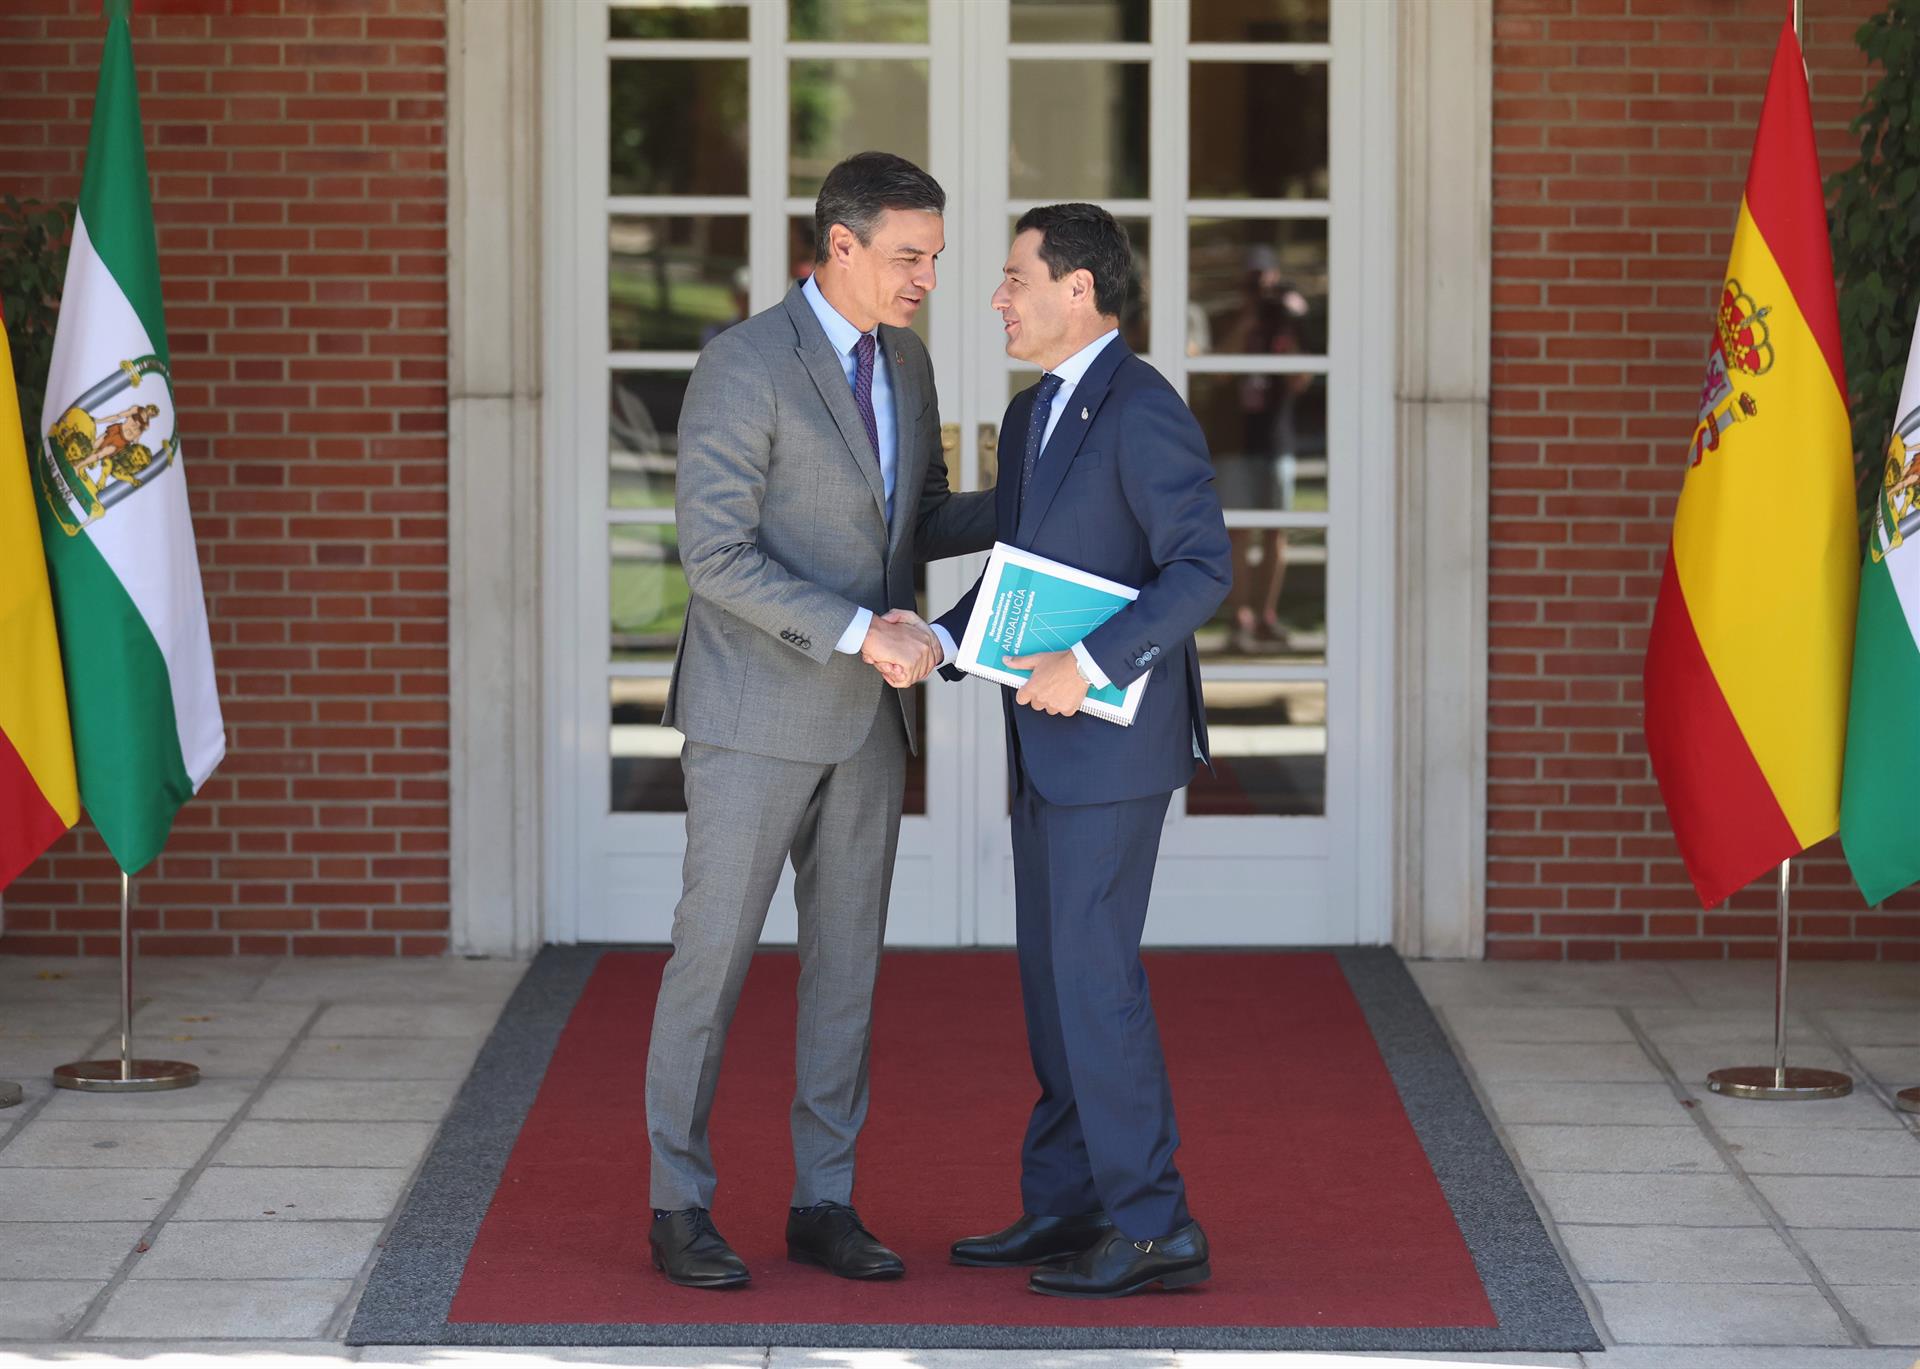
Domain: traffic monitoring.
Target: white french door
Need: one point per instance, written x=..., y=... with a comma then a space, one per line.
x=1243, y=143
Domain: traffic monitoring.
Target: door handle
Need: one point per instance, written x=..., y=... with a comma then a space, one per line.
x=989, y=452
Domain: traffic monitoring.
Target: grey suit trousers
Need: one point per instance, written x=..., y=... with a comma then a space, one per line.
x=745, y=814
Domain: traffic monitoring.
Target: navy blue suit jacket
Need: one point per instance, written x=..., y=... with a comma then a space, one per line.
x=1126, y=493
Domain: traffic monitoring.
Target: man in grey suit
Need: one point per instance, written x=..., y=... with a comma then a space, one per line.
x=810, y=482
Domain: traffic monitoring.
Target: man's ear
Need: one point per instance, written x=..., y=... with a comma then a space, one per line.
x=840, y=242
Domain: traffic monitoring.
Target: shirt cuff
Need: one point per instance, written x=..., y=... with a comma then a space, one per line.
x=856, y=633
x=1091, y=667
x=947, y=649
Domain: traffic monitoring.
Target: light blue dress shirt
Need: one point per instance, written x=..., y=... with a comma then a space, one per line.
x=844, y=336
x=1070, y=371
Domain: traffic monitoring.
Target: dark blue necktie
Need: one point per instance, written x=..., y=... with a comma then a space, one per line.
x=1037, y=430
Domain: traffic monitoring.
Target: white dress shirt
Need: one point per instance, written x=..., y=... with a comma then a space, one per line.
x=844, y=337
x=1071, y=372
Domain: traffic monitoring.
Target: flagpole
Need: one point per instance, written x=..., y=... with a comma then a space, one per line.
x=1780, y=1082
x=126, y=1075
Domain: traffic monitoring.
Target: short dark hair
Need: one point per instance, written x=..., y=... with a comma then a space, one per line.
x=1084, y=237
x=862, y=188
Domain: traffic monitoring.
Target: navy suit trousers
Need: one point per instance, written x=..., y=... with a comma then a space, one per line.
x=1102, y=1134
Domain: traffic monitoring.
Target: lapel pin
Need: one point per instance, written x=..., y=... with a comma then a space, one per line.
x=899, y=358
x=1083, y=415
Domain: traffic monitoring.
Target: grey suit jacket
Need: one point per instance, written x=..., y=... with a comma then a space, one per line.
x=783, y=533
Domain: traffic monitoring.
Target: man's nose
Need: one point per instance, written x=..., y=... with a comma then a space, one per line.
x=1000, y=298
x=927, y=277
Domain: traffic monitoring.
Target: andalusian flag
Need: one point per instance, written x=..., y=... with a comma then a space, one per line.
x=38, y=798
x=113, y=503
x=1747, y=664
x=1883, y=729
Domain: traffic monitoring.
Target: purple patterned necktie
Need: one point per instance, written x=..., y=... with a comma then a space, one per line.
x=863, y=388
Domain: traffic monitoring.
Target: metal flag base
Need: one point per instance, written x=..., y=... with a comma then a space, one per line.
x=10, y=1093
x=126, y=1075
x=1779, y=1082
x=1908, y=1100
x=139, y=1076
x=1794, y=1082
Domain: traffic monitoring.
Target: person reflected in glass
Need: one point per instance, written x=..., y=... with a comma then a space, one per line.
x=1269, y=322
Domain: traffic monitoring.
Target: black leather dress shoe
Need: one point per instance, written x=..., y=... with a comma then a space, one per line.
x=688, y=1250
x=1033, y=1240
x=1117, y=1266
x=831, y=1235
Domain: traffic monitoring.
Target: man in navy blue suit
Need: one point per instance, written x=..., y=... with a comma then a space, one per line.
x=1114, y=478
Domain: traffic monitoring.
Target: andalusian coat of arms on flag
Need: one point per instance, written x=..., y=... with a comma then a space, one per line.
x=113, y=511
x=1883, y=730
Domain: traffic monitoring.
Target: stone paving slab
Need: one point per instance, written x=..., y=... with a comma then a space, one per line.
x=1883, y=1257
x=1719, y=1314
x=1857, y=1109
x=234, y=1193
x=1778, y=1151
x=85, y=1195
x=258, y=1250
x=43, y=1309
x=234, y=1057
x=192, y=1308
x=216, y=1018
x=210, y=1100
x=1471, y=1022
x=362, y=1100
x=1518, y=1102
x=410, y=1019
x=1682, y=1254
x=1500, y=1062
x=374, y=1057
x=66, y=1250
x=1708, y=1357
x=37, y=1057
x=1448, y=983
x=1648, y=1199
x=109, y=1145
x=1617, y=1150
x=372, y=1145
x=1852, y=1202
x=1890, y=1313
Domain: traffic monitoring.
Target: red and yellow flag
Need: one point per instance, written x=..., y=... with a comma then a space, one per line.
x=39, y=798
x=1752, y=643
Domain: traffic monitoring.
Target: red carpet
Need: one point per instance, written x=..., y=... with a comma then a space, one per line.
x=1299, y=1161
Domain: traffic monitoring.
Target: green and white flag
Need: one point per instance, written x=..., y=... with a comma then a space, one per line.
x=113, y=508
x=1882, y=776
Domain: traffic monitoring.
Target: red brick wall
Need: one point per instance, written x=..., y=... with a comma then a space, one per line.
x=1621, y=135
x=297, y=149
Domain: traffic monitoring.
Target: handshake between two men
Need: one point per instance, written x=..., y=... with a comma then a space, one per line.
x=903, y=648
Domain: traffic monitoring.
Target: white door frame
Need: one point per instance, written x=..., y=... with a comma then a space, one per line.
x=1313, y=880
x=515, y=884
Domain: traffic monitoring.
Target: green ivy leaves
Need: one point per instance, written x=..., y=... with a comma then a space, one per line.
x=1874, y=207
x=33, y=265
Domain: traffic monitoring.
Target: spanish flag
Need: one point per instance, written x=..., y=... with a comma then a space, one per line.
x=39, y=798
x=1747, y=664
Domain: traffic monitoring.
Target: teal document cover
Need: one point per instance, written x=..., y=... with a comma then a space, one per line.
x=1028, y=604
